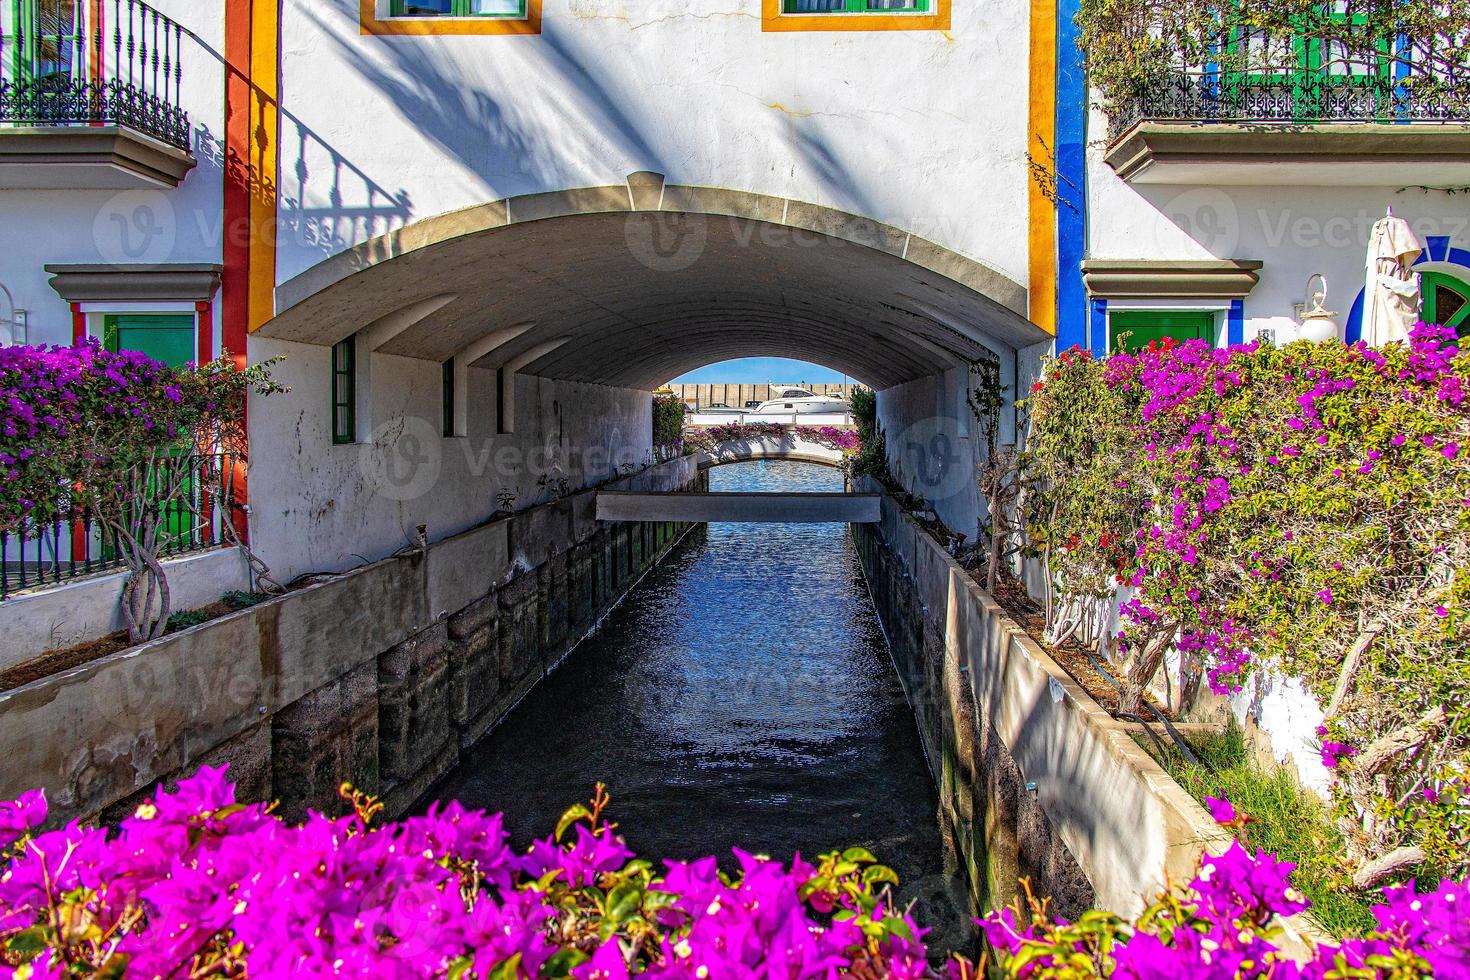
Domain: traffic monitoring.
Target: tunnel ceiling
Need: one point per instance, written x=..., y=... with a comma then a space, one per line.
x=573, y=286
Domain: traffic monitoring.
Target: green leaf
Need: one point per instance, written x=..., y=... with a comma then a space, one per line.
x=575, y=813
x=879, y=873
x=861, y=855
x=563, y=962
x=508, y=970
x=624, y=901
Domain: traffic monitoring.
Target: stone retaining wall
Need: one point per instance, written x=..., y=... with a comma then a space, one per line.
x=380, y=676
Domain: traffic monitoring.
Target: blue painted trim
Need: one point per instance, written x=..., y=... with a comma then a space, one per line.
x=1235, y=322
x=1401, y=71
x=1071, y=137
x=1098, y=335
x=1437, y=248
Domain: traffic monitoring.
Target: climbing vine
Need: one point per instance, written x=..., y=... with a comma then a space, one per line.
x=1130, y=45
x=1306, y=508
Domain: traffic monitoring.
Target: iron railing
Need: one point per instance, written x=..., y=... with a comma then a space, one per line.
x=1279, y=99
x=75, y=544
x=117, y=62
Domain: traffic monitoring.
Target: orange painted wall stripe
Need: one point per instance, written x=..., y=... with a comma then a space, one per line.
x=1041, y=142
x=265, y=125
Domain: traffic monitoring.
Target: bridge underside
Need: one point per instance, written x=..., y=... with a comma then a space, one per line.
x=630, y=286
x=745, y=508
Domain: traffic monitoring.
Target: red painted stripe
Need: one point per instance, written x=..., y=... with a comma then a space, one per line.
x=235, y=279
x=235, y=276
x=78, y=324
x=204, y=323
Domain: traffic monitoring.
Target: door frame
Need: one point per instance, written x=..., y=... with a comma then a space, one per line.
x=1218, y=309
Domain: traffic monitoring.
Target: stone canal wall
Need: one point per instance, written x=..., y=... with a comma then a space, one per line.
x=380, y=676
x=1036, y=780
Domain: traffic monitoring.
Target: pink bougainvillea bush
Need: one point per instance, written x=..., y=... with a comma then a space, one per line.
x=707, y=438
x=124, y=440
x=1305, y=508
x=196, y=885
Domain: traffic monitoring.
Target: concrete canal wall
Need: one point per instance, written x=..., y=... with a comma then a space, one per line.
x=1036, y=780
x=379, y=676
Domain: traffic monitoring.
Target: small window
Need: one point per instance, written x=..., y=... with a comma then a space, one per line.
x=344, y=391
x=853, y=6
x=457, y=8
x=447, y=422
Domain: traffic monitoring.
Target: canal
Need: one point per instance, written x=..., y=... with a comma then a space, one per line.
x=741, y=696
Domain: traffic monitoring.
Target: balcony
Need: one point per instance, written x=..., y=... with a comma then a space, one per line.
x=90, y=96
x=1290, y=128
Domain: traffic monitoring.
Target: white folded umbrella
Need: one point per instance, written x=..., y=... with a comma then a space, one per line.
x=1391, y=292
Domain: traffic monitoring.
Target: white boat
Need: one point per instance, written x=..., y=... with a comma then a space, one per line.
x=800, y=401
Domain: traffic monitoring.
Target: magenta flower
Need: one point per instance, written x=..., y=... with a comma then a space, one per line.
x=1326, y=596
x=1221, y=810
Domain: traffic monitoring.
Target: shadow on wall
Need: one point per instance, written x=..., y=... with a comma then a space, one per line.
x=512, y=152
x=324, y=228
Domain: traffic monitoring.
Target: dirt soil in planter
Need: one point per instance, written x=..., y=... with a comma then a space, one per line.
x=1072, y=656
x=56, y=661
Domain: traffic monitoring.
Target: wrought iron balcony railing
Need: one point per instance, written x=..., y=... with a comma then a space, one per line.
x=1302, y=98
x=117, y=62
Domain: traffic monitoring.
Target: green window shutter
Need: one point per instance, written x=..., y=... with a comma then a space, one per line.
x=166, y=337
x=457, y=8
x=1446, y=301
x=448, y=389
x=344, y=391
x=1143, y=326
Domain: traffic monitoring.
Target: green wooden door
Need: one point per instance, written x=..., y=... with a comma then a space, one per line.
x=1446, y=301
x=166, y=337
x=1132, y=329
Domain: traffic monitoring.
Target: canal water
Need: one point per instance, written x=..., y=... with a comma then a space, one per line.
x=740, y=696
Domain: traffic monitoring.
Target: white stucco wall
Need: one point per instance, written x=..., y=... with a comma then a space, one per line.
x=1296, y=231
x=318, y=507
x=184, y=224
x=908, y=127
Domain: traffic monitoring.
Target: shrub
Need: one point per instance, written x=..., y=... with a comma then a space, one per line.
x=668, y=420
x=1304, y=507
x=125, y=438
x=1132, y=46
x=195, y=884
x=185, y=618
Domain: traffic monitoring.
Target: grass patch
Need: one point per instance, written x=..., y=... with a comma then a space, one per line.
x=1293, y=824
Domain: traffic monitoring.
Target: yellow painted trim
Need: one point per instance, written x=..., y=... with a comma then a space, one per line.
x=1041, y=141
x=440, y=26
x=773, y=20
x=265, y=126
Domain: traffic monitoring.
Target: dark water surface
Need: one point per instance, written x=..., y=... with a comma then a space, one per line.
x=741, y=695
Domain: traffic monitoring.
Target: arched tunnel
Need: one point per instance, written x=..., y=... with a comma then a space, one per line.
x=527, y=313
